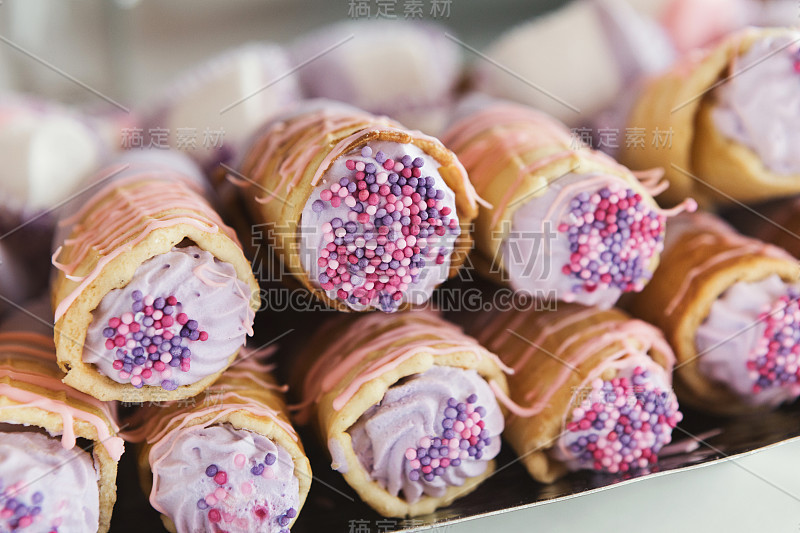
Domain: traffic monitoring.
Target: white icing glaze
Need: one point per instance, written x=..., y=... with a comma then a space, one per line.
x=256, y=77
x=415, y=92
x=47, y=151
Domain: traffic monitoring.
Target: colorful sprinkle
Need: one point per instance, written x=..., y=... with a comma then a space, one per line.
x=463, y=436
x=621, y=424
x=613, y=234
x=223, y=503
x=395, y=226
x=150, y=340
x=775, y=362
x=16, y=515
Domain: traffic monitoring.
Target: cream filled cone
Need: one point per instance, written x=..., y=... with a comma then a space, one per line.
x=717, y=296
x=565, y=222
x=33, y=396
x=148, y=233
x=239, y=426
x=572, y=364
x=682, y=104
x=380, y=390
x=343, y=232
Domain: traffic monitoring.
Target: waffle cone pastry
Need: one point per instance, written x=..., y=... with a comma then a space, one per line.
x=725, y=303
x=591, y=388
x=565, y=222
x=43, y=435
x=362, y=212
x=236, y=437
x=730, y=134
x=146, y=270
x=406, y=406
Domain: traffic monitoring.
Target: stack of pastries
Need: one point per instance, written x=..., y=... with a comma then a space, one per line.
x=632, y=298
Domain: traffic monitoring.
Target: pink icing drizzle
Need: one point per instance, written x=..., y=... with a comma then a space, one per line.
x=722, y=236
x=515, y=130
x=318, y=128
x=163, y=431
x=125, y=219
x=607, y=333
x=44, y=349
x=341, y=357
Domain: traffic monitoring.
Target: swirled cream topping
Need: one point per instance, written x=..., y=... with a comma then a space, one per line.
x=219, y=478
x=430, y=432
x=179, y=319
x=44, y=487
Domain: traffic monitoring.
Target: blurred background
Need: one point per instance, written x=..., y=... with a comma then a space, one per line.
x=127, y=49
